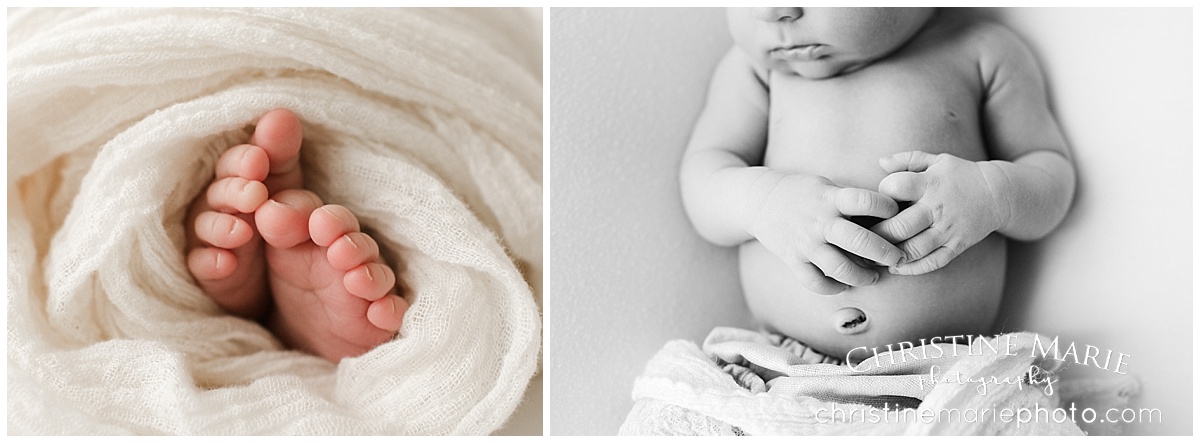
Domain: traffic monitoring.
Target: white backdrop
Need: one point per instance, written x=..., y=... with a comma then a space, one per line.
x=625, y=272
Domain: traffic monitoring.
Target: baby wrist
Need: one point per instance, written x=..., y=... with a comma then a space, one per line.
x=1000, y=185
x=755, y=197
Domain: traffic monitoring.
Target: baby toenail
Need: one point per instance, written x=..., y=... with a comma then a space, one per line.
x=347, y=237
x=368, y=269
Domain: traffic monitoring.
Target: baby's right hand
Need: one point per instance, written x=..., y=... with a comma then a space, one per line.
x=803, y=220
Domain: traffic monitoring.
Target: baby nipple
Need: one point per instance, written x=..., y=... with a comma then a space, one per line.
x=850, y=321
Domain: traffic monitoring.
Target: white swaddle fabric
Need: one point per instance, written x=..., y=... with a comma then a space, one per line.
x=426, y=123
x=961, y=390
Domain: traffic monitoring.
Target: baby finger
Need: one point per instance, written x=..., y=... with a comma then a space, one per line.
x=835, y=265
x=915, y=161
x=855, y=201
x=812, y=278
x=932, y=262
x=923, y=244
x=903, y=186
x=906, y=224
x=859, y=241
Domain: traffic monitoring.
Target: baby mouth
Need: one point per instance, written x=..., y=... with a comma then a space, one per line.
x=814, y=51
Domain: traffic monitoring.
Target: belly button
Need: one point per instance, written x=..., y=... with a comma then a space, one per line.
x=850, y=321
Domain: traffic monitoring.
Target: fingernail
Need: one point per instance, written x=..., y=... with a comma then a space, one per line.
x=277, y=202
x=352, y=243
x=893, y=271
x=368, y=269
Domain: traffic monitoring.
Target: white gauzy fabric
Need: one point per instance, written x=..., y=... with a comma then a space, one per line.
x=683, y=392
x=426, y=123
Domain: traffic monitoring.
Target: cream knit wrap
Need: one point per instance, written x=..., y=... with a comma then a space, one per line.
x=425, y=123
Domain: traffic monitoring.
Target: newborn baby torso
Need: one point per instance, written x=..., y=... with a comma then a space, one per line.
x=927, y=97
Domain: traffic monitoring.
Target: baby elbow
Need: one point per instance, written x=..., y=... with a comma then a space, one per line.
x=1027, y=236
x=714, y=235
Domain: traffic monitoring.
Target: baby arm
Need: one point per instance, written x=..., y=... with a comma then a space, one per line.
x=801, y=218
x=1023, y=193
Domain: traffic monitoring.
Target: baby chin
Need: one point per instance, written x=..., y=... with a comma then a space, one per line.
x=817, y=69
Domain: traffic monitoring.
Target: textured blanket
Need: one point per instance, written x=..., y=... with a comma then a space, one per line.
x=775, y=388
x=425, y=123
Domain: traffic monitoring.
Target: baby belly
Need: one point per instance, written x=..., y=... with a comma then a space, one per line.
x=961, y=298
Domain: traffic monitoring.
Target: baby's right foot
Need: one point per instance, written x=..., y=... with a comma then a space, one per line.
x=225, y=250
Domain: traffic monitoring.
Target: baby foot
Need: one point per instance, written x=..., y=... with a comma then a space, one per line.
x=225, y=251
x=334, y=295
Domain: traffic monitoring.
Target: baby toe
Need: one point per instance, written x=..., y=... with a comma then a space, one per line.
x=370, y=281
x=351, y=250
x=246, y=161
x=211, y=263
x=236, y=194
x=330, y=222
x=387, y=313
x=283, y=220
x=222, y=230
x=280, y=134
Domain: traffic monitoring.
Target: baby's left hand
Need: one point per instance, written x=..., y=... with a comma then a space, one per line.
x=954, y=207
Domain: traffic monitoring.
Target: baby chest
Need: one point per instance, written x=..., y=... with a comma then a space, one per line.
x=840, y=127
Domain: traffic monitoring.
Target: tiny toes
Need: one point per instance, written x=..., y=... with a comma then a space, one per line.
x=246, y=161
x=280, y=135
x=223, y=230
x=236, y=194
x=351, y=250
x=370, y=281
x=283, y=220
x=387, y=313
x=211, y=263
x=330, y=222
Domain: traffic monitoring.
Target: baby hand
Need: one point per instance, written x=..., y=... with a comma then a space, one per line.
x=803, y=221
x=954, y=207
